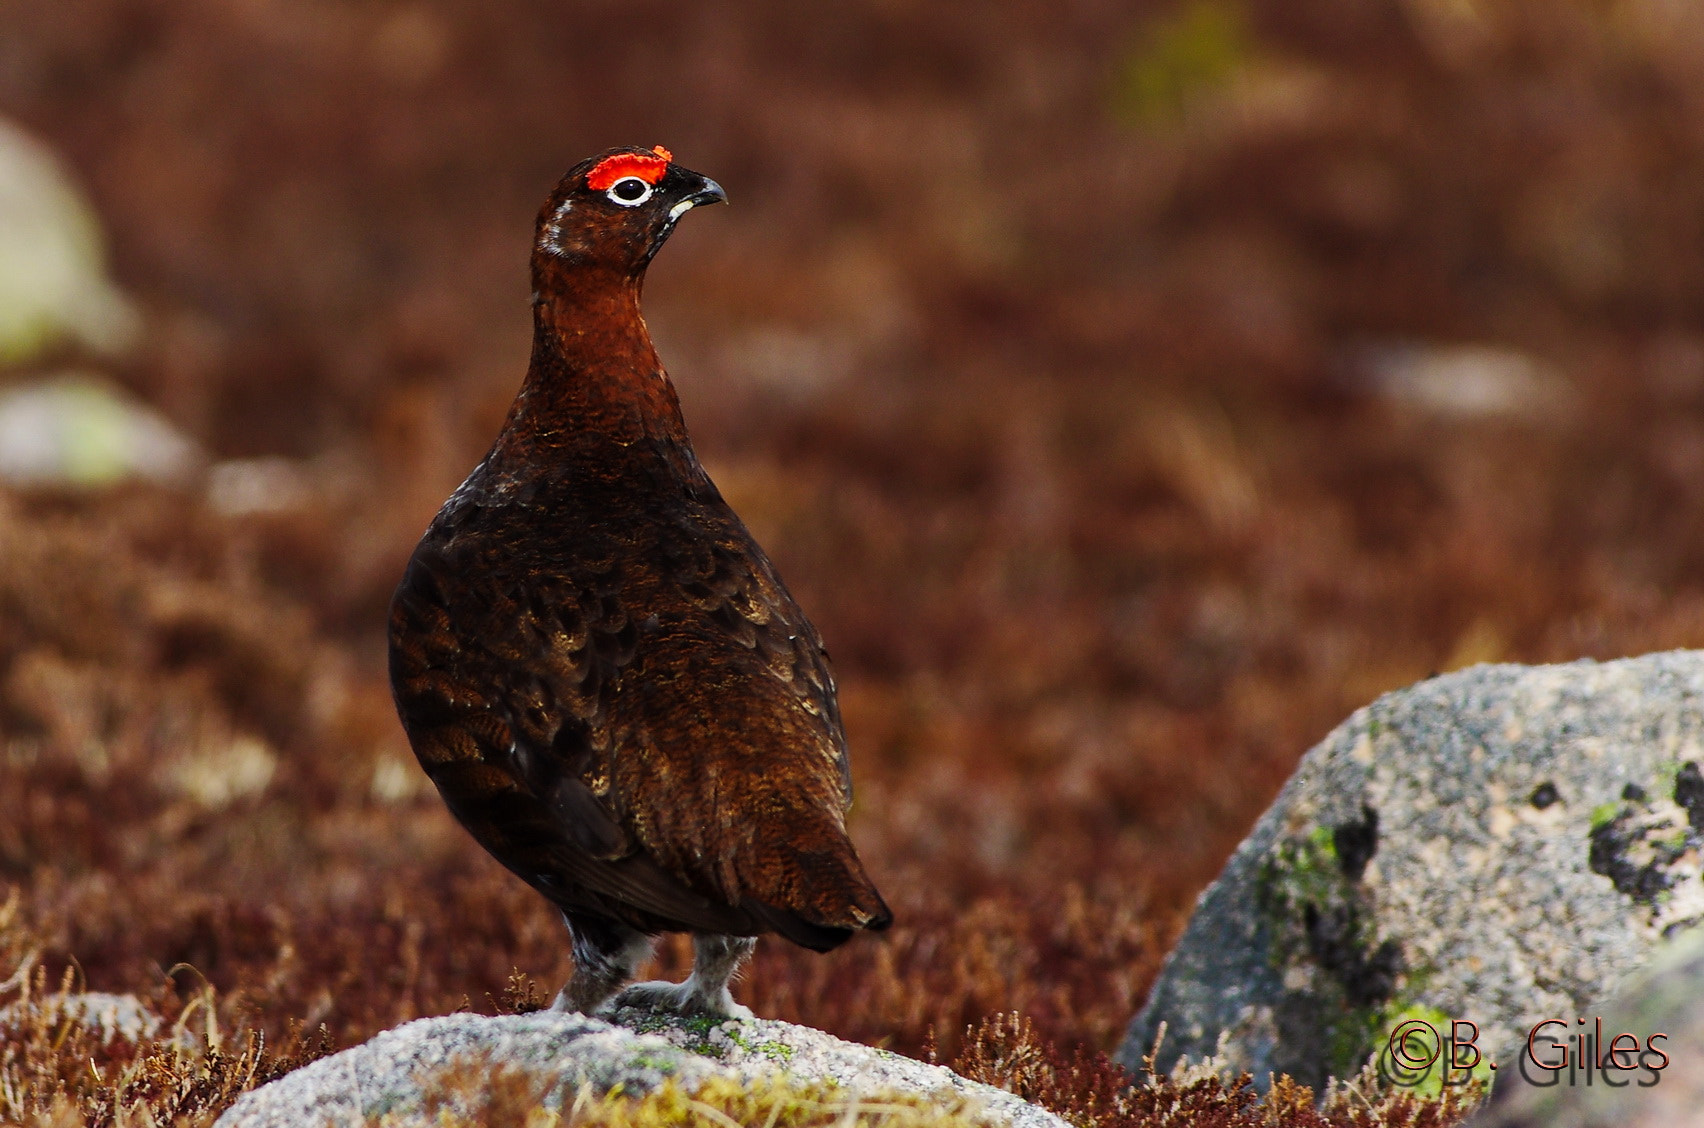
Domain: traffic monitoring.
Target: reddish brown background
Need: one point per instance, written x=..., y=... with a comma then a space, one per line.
x=1035, y=346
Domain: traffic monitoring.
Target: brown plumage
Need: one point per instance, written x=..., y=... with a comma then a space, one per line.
x=597, y=665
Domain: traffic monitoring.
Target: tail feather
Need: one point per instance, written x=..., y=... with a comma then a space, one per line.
x=816, y=937
x=817, y=898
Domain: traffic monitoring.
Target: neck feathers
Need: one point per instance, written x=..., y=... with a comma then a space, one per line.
x=594, y=371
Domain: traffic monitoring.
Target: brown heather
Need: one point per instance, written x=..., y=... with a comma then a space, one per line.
x=1032, y=349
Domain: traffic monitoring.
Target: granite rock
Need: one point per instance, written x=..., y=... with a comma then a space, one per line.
x=114, y=1017
x=635, y=1049
x=1662, y=1084
x=1501, y=845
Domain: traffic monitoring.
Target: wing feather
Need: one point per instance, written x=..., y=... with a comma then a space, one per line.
x=626, y=740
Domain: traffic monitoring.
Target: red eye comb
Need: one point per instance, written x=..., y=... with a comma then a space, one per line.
x=650, y=169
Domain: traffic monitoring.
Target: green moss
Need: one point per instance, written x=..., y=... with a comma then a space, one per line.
x=782, y=1104
x=1347, y=1040
x=1429, y=1081
x=1301, y=872
x=698, y=1028
x=1320, y=920
x=473, y=1092
x=1603, y=814
x=650, y=1023
x=775, y=1051
x=702, y=1024
x=665, y=1065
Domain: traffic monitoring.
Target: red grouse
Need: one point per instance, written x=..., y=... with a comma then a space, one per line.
x=597, y=665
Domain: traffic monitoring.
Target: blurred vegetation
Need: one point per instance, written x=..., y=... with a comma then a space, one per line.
x=1129, y=391
x=1196, y=51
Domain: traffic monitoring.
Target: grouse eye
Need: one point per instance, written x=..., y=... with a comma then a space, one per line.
x=629, y=191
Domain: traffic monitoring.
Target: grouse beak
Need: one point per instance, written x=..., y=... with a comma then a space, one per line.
x=709, y=192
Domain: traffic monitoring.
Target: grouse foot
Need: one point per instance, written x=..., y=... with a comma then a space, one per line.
x=715, y=959
x=681, y=998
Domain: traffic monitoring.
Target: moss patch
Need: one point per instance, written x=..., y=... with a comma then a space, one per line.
x=1636, y=842
x=699, y=1028
x=1415, y=1053
x=1322, y=926
x=473, y=1092
x=765, y=1047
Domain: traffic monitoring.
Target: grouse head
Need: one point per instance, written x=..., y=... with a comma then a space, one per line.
x=612, y=212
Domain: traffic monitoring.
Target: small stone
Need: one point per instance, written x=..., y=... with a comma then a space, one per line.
x=75, y=429
x=53, y=283
x=1464, y=381
x=116, y=1017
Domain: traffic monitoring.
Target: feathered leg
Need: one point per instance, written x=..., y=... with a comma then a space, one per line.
x=715, y=959
x=606, y=954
